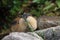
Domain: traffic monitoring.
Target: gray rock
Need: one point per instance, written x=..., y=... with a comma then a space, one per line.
x=47, y=22
x=22, y=36
x=57, y=31
x=52, y=33
x=48, y=34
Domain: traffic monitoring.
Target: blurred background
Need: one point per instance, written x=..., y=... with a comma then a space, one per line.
x=10, y=9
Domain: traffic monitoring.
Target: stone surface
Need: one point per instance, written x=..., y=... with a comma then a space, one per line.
x=22, y=36
x=48, y=21
x=52, y=33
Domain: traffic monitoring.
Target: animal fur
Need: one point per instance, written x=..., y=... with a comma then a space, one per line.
x=22, y=26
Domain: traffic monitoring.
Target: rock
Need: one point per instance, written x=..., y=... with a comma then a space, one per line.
x=22, y=36
x=57, y=31
x=52, y=33
x=48, y=33
x=47, y=22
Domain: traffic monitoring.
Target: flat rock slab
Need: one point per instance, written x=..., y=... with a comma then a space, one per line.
x=22, y=36
x=48, y=21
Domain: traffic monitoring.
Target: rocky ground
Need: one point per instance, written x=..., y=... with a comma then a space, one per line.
x=48, y=29
x=52, y=33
